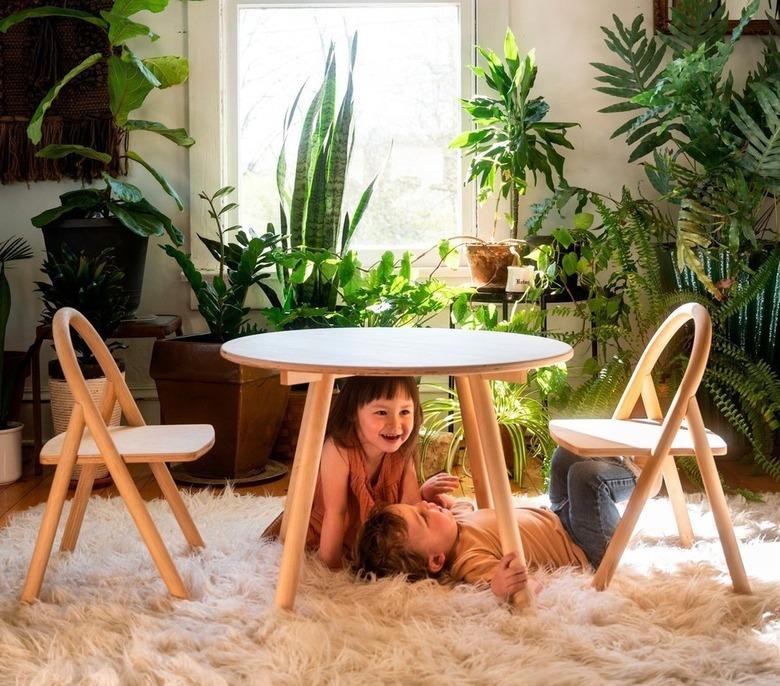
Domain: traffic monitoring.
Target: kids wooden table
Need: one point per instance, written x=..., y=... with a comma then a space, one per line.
x=318, y=356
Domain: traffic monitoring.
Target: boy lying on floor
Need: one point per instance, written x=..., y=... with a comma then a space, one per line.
x=425, y=540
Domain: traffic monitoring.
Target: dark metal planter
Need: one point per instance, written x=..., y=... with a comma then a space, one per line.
x=93, y=235
x=196, y=385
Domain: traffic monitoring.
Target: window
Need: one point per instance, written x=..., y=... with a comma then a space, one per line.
x=410, y=71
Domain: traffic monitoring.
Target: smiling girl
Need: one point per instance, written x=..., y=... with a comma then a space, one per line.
x=367, y=459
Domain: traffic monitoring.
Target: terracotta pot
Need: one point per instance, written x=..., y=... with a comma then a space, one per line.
x=488, y=263
x=245, y=405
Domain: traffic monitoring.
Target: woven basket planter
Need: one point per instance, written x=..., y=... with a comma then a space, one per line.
x=62, y=406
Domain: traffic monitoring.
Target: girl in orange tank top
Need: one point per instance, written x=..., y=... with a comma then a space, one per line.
x=367, y=459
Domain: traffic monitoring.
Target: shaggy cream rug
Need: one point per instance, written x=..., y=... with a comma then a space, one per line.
x=104, y=617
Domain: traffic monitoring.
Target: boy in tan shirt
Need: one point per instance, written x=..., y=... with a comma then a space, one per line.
x=426, y=540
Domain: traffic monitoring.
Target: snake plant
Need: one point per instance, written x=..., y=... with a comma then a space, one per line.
x=313, y=225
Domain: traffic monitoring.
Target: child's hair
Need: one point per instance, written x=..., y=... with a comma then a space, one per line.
x=358, y=391
x=381, y=548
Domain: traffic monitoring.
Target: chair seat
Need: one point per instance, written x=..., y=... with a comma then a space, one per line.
x=173, y=443
x=627, y=437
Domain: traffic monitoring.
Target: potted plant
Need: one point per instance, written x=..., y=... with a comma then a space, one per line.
x=11, y=249
x=314, y=228
x=118, y=215
x=715, y=149
x=522, y=418
x=510, y=140
x=94, y=286
x=196, y=385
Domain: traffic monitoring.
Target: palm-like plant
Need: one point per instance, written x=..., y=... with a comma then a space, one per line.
x=716, y=152
x=91, y=284
x=510, y=138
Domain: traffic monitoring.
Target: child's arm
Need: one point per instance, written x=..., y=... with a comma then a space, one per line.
x=410, y=490
x=334, y=476
x=436, y=487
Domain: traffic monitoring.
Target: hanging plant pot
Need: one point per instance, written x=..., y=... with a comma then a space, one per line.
x=488, y=263
x=93, y=235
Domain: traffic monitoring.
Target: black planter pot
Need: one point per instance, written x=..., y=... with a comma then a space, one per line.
x=93, y=235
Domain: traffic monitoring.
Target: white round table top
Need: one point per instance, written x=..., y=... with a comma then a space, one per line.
x=395, y=351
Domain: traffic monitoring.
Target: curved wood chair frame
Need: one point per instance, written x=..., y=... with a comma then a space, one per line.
x=87, y=415
x=661, y=461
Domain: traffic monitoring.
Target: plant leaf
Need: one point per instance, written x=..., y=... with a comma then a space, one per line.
x=36, y=121
x=58, y=151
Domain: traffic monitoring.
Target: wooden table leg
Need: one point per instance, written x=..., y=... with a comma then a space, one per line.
x=497, y=476
x=301, y=493
x=473, y=443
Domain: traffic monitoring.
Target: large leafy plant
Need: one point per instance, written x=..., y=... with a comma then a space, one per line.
x=315, y=229
x=716, y=151
x=130, y=80
x=11, y=250
x=744, y=388
x=510, y=138
x=245, y=262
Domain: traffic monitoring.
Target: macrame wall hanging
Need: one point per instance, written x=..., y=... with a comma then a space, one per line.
x=34, y=55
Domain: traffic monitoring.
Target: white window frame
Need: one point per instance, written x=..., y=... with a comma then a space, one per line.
x=212, y=39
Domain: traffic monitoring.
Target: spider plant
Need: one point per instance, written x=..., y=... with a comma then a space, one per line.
x=521, y=416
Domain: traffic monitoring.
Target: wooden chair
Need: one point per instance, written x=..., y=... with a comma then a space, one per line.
x=656, y=440
x=89, y=442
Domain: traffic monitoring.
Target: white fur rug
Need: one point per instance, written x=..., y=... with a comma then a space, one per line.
x=104, y=618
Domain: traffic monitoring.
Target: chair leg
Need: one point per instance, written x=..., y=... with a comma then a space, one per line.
x=508, y=530
x=53, y=509
x=677, y=498
x=299, y=502
x=179, y=509
x=473, y=443
x=77, y=507
x=143, y=520
x=627, y=523
x=714, y=491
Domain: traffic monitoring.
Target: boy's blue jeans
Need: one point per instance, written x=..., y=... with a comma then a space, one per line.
x=583, y=493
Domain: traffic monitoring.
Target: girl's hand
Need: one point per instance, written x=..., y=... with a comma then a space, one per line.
x=508, y=579
x=437, y=485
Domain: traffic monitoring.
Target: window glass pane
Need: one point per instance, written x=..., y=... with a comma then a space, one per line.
x=407, y=85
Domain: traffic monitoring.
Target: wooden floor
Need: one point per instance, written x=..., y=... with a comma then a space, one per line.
x=32, y=490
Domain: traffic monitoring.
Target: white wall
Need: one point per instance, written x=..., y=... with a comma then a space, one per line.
x=567, y=38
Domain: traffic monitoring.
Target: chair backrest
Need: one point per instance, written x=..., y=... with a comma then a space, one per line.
x=641, y=382
x=116, y=389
